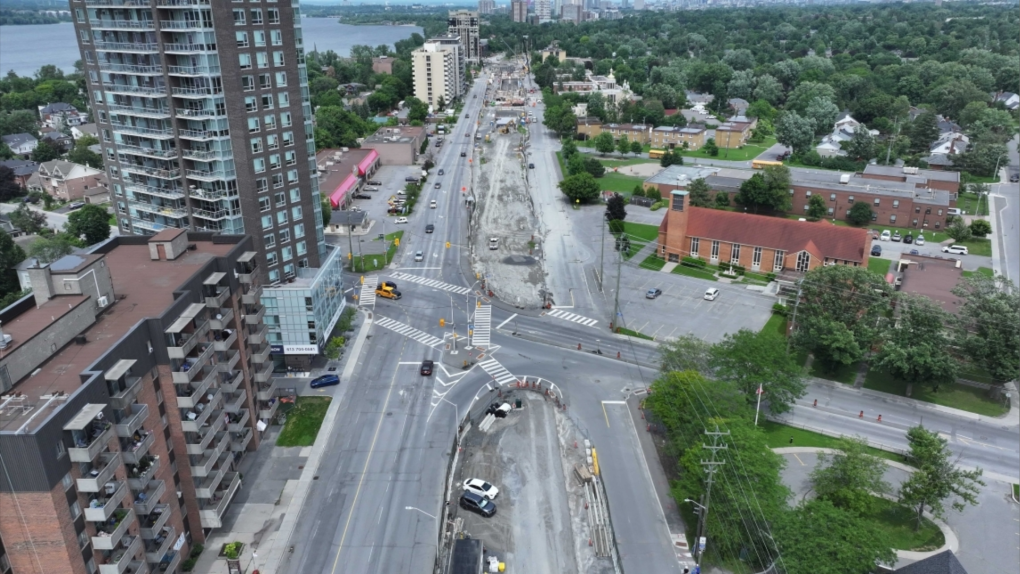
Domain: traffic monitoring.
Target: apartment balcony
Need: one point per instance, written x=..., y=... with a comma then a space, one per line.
x=192, y=365
x=136, y=450
x=184, y=25
x=193, y=419
x=203, y=135
x=147, y=91
x=227, y=343
x=153, y=70
x=188, y=48
x=214, y=215
x=131, y=47
x=141, y=112
x=205, y=438
x=134, y=421
x=206, y=155
x=123, y=3
x=140, y=474
x=100, y=434
x=260, y=356
x=234, y=403
x=206, y=466
x=153, y=226
x=157, y=548
x=230, y=381
x=221, y=319
x=184, y=342
x=216, y=301
x=153, y=523
x=239, y=441
x=108, y=536
x=255, y=317
x=210, y=195
x=148, y=151
x=147, y=501
x=193, y=70
x=211, y=174
x=188, y=396
x=127, y=396
x=239, y=422
x=169, y=563
x=100, y=24
x=248, y=270
x=164, y=210
x=151, y=171
x=201, y=92
x=206, y=487
x=182, y=3
x=227, y=364
x=253, y=296
x=101, y=508
x=100, y=474
x=267, y=409
x=264, y=374
x=211, y=515
x=143, y=131
x=258, y=336
x=121, y=558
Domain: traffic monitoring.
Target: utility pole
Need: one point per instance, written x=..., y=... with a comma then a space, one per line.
x=602, y=258
x=616, y=304
x=888, y=150
x=794, y=320
x=711, y=466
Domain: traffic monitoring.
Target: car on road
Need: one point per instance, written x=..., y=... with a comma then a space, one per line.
x=493, y=243
x=653, y=293
x=531, y=166
x=76, y=205
x=499, y=410
x=430, y=228
x=374, y=182
x=426, y=368
x=442, y=172
x=908, y=238
x=876, y=250
x=432, y=204
x=919, y=240
x=362, y=196
x=419, y=256
x=897, y=237
x=467, y=135
x=387, y=293
x=436, y=186
x=324, y=381
x=465, y=116
x=711, y=293
x=1013, y=178
x=475, y=503
x=914, y=252
x=388, y=285
x=886, y=235
x=481, y=488
x=401, y=220
x=463, y=154
x=955, y=249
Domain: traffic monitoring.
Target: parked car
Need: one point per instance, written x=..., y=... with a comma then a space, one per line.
x=465, y=116
x=500, y=410
x=475, y=503
x=876, y=250
x=324, y=381
x=76, y=205
x=1013, y=178
x=419, y=256
x=481, y=488
x=370, y=188
x=463, y=154
x=914, y=252
x=362, y=196
x=919, y=240
x=711, y=293
x=653, y=293
x=531, y=166
x=426, y=368
x=467, y=135
x=400, y=220
x=896, y=236
x=430, y=228
x=374, y=182
x=908, y=238
x=885, y=235
x=955, y=249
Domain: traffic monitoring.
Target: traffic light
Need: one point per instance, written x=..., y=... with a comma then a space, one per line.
x=442, y=322
x=349, y=255
x=447, y=244
x=362, y=279
x=396, y=241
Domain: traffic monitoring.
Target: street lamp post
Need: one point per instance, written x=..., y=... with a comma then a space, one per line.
x=702, y=518
x=433, y=517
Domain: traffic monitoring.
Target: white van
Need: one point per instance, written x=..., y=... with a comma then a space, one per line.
x=493, y=243
x=711, y=293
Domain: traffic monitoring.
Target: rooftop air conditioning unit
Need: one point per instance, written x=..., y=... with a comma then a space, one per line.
x=844, y=178
x=103, y=301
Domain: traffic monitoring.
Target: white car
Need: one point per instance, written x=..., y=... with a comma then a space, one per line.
x=481, y=488
x=711, y=294
x=419, y=256
x=401, y=220
x=432, y=204
x=919, y=240
x=955, y=249
x=886, y=235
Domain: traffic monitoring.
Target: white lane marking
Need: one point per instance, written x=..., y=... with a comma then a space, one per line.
x=510, y=318
x=498, y=372
x=430, y=283
x=480, y=328
x=367, y=296
x=573, y=317
x=408, y=331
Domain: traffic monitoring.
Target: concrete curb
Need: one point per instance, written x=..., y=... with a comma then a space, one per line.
x=278, y=549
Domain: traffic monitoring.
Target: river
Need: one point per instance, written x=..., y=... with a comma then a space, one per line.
x=25, y=49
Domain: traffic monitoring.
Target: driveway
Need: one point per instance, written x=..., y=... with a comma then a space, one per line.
x=772, y=154
x=892, y=250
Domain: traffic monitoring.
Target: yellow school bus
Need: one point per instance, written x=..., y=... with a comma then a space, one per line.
x=762, y=164
x=656, y=153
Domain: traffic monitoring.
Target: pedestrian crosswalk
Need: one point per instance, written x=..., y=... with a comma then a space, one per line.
x=498, y=372
x=367, y=296
x=436, y=284
x=481, y=326
x=408, y=331
x=561, y=314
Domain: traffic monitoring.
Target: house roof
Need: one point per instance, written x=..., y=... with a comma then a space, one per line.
x=20, y=167
x=57, y=107
x=933, y=277
x=54, y=136
x=941, y=563
x=90, y=129
x=820, y=238
x=14, y=140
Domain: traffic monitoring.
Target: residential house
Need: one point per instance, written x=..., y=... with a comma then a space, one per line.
x=382, y=65
x=695, y=98
x=57, y=139
x=21, y=144
x=580, y=109
x=670, y=137
x=342, y=173
x=738, y=105
x=398, y=145
x=734, y=133
x=78, y=132
x=67, y=181
x=933, y=277
x=554, y=51
x=842, y=131
x=947, y=144
x=1010, y=100
x=342, y=222
x=946, y=125
x=589, y=127
x=22, y=168
x=634, y=132
x=58, y=114
x=606, y=85
x=7, y=227
x=756, y=242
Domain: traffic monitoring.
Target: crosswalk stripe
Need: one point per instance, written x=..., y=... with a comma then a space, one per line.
x=572, y=317
x=497, y=371
x=430, y=283
x=408, y=331
x=481, y=326
x=366, y=297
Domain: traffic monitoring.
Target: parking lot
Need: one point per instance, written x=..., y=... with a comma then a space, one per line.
x=540, y=523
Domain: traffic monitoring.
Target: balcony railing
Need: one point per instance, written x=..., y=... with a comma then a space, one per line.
x=205, y=437
x=153, y=523
x=205, y=465
x=99, y=24
x=264, y=374
x=267, y=391
x=238, y=422
x=206, y=487
x=148, y=151
x=138, y=47
x=169, y=563
x=182, y=3
x=124, y=3
x=108, y=536
x=193, y=70
x=146, y=501
x=258, y=336
x=127, y=396
x=186, y=341
x=101, y=508
x=227, y=361
x=260, y=355
x=187, y=48
x=152, y=171
x=123, y=557
x=191, y=394
x=194, y=419
x=211, y=174
x=234, y=404
x=203, y=135
x=233, y=382
x=211, y=515
x=165, y=211
x=153, y=70
x=141, y=130
x=192, y=365
x=134, y=421
x=200, y=92
x=135, y=450
x=226, y=343
x=207, y=155
x=214, y=215
x=112, y=88
x=211, y=195
x=140, y=474
x=254, y=317
x=100, y=474
x=184, y=25
x=252, y=296
x=157, y=548
x=216, y=301
x=88, y=452
x=267, y=409
x=239, y=441
x=221, y=319
x=163, y=192
x=140, y=111
x=199, y=113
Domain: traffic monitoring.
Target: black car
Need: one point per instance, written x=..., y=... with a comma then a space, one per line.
x=426, y=368
x=499, y=410
x=1014, y=177
x=876, y=250
x=362, y=196
x=908, y=238
x=430, y=228
x=442, y=172
x=324, y=381
x=475, y=503
x=531, y=166
x=373, y=182
x=389, y=285
x=463, y=154
x=437, y=186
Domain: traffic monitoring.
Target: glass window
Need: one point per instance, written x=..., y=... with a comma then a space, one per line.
x=277, y=180
x=276, y=37
x=248, y=83
x=259, y=37
x=262, y=59
x=242, y=39
x=259, y=164
x=735, y=254
x=287, y=253
x=832, y=197
x=281, y=79
x=251, y=104
x=777, y=262
x=284, y=236
x=296, y=212
x=256, y=145
x=274, y=161
x=256, y=16
x=803, y=261
x=274, y=274
x=267, y=101
x=281, y=199
x=288, y=138
x=264, y=204
x=265, y=81
x=284, y=98
x=807, y=193
x=273, y=141
x=877, y=201
x=267, y=222
x=756, y=257
x=269, y=240
x=299, y=231
x=270, y=120
x=715, y=249
x=292, y=176
x=277, y=59
x=281, y=217
x=892, y=219
x=301, y=248
x=291, y=158
x=253, y=125
x=271, y=258
x=261, y=184
x=850, y=199
x=239, y=19
x=274, y=15
x=896, y=203
x=286, y=120
x=295, y=195
x=245, y=60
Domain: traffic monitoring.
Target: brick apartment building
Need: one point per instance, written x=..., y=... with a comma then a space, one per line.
x=634, y=132
x=382, y=65
x=755, y=242
x=670, y=137
x=589, y=127
x=68, y=181
x=733, y=134
x=399, y=145
x=135, y=379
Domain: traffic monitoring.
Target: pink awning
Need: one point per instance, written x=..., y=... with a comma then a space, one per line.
x=337, y=197
x=363, y=165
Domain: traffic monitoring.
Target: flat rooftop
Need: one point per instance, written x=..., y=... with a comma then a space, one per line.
x=386, y=134
x=144, y=289
x=933, y=277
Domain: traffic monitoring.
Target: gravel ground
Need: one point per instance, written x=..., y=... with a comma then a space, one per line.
x=505, y=211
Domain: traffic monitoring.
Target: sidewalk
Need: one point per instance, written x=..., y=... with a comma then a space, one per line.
x=266, y=508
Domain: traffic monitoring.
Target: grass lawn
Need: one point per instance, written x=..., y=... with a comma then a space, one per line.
x=776, y=324
x=987, y=272
x=611, y=163
x=632, y=333
x=748, y=152
x=778, y=436
x=653, y=262
x=113, y=220
x=641, y=231
x=622, y=184
x=374, y=262
x=303, y=421
x=694, y=272
x=980, y=178
x=973, y=372
x=968, y=202
x=843, y=373
x=896, y=524
x=978, y=246
x=962, y=397
x=1016, y=491
x=879, y=265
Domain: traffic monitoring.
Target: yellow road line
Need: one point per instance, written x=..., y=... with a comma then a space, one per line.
x=606, y=414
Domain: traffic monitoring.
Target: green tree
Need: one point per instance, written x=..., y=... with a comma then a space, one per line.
x=795, y=132
x=9, y=188
x=10, y=255
x=49, y=249
x=981, y=158
x=569, y=148
x=936, y=479
x=5, y=151
x=861, y=146
x=91, y=222
x=850, y=477
x=576, y=164
x=639, y=191
x=916, y=349
x=984, y=330
x=722, y=200
x=686, y=353
x=958, y=230
x=604, y=143
x=753, y=360
x=822, y=114
x=710, y=147
x=45, y=151
x=327, y=211
x=81, y=154
x=859, y=214
x=594, y=167
x=616, y=208
x=28, y=220
x=756, y=193
x=816, y=207
x=18, y=122
x=698, y=193
x=623, y=145
x=653, y=193
x=417, y=110
x=922, y=132
x=580, y=187
x=840, y=312
x=636, y=147
x=818, y=538
x=980, y=228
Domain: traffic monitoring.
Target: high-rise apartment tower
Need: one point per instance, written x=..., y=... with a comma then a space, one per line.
x=464, y=23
